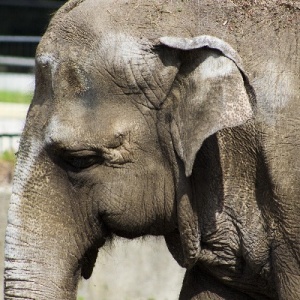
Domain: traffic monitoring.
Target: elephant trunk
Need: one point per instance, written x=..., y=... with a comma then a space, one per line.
x=36, y=264
x=49, y=242
x=42, y=265
x=28, y=277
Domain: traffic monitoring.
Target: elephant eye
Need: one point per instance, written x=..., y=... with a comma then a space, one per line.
x=81, y=161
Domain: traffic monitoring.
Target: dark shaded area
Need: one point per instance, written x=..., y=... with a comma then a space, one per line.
x=24, y=18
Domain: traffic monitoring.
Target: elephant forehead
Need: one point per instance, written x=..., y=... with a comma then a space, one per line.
x=77, y=127
x=115, y=61
x=64, y=74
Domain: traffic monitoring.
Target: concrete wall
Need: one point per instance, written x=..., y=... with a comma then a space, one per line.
x=126, y=270
x=17, y=82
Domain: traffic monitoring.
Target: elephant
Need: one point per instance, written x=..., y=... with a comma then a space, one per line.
x=167, y=118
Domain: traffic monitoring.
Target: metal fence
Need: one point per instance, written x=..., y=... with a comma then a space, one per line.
x=9, y=141
x=17, y=52
x=15, y=56
x=18, y=46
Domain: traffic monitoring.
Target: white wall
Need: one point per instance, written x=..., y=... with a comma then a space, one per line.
x=17, y=82
x=134, y=270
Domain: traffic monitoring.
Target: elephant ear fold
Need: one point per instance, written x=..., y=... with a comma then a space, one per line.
x=209, y=93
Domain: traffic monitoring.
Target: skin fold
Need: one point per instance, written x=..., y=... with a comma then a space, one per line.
x=173, y=118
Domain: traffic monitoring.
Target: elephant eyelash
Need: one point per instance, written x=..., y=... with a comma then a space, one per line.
x=83, y=162
x=83, y=159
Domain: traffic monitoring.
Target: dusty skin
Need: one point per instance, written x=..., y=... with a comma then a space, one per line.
x=172, y=118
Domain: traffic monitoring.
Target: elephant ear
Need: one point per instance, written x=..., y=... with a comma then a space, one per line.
x=211, y=93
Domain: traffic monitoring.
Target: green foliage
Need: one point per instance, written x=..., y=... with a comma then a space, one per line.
x=8, y=156
x=15, y=97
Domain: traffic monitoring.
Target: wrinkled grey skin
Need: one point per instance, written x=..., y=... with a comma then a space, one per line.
x=126, y=95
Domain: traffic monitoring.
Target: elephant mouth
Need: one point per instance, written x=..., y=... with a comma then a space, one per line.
x=88, y=263
x=89, y=258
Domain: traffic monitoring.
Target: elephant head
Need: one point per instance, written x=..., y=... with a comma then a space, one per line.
x=109, y=145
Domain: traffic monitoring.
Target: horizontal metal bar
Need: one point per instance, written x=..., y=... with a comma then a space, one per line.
x=19, y=39
x=17, y=61
x=10, y=135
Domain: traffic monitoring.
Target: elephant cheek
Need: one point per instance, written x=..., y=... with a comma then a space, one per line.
x=138, y=204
